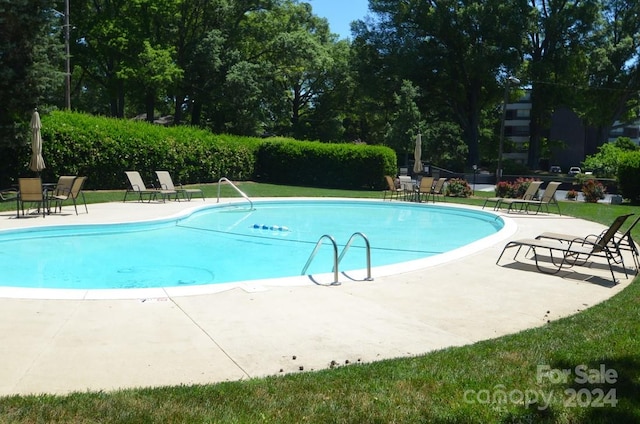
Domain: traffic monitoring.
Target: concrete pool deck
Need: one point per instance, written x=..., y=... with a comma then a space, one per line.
x=65, y=345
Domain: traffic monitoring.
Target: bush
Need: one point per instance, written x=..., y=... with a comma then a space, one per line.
x=513, y=190
x=457, y=187
x=103, y=148
x=593, y=191
x=350, y=166
x=628, y=181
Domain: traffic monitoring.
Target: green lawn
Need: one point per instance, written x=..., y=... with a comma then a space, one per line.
x=456, y=385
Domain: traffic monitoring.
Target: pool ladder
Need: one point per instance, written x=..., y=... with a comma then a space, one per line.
x=225, y=179
x=336, y=258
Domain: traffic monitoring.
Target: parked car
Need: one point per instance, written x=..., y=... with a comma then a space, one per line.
x=575, y=170
x=555, y=169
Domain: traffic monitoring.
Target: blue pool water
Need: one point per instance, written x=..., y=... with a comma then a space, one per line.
x=227, y=243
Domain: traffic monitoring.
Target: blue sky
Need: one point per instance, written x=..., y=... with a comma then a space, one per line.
x=340, y=13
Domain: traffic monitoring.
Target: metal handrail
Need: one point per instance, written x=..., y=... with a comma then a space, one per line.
x=335, y=257
x=368, y=252
x=236, y=188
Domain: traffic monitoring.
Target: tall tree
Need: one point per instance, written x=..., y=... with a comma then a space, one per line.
x=614, y=68
x=560, y=32
x=30, y=61
x=453, y=50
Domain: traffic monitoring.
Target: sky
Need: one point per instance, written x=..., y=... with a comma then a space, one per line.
x=340, y=13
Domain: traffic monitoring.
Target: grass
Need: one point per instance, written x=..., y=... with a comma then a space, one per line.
x=455, y=385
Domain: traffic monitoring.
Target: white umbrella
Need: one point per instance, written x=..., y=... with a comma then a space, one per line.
x=37, y=162
x=417, y=155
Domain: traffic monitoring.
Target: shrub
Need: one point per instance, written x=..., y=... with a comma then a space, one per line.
x=457, y=187
x=572, y=195
x=628, y=181
x=513, y=190
x=593, y=191
x=103, y=148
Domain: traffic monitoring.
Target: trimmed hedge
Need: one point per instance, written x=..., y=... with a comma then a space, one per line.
x=628, y=172
x=103, y=148
x=348, y=166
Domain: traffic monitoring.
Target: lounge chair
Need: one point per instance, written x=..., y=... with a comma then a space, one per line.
x=166, y=183
x=529, y=194
x=72, y=192
x=138, y=186
x=62, y=187
x=624, y=241
x=573, y=252
x=548, y=198
x=437, y=190
x=391, y=188
x=424, y=188
x=8, y=194
x=31, y=190
x=619, y=241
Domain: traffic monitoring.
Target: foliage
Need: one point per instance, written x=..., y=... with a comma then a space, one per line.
x=458, y=187
x=628, y=181
x=571, y=195
x=357, y=166
x=445, y=146
x=103, y=148
x=405, y=122
x=604, y=164
x=514, y=189
x=31, y=58
x=593, y=191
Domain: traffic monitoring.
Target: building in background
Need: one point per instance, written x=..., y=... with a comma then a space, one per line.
x=577, y=140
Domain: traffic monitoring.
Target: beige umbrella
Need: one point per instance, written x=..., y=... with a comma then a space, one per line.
x=417, y=155
x=37, y=162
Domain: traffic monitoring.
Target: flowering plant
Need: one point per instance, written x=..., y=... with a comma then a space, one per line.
x=572, y=195
x=457, y=187
x=593, y=191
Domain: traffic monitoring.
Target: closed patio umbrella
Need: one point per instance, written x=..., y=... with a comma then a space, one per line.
x=37, y=162
x=417, y=155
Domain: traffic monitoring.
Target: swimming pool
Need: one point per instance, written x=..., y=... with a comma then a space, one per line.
x=229, y=243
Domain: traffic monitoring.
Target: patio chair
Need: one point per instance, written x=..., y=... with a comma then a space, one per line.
x=8, y=194
x=30, y=190
x=529, y=194
x=73, y=192
x=138, y=186
x=619, y=241
x=576, y=252
x=391, y=189
x=437, y=190
x=166, y=183
x=62, y=187
x=548, y=198
x=424, y=188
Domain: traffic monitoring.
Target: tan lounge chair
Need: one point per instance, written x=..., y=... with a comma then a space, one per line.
x=619, y=241
x=166, y=183
x=391, y=189
x=437, y=190
x=72, y=192
x=548, y=198
x=30, y=190
x=138, y=186
x=529, y=194
x=570, y=253
x=424, y=189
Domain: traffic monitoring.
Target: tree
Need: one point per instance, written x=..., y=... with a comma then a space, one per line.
x=560, y=33
x=613, y=69
x=405, y=123
x=453, y=50
x=31, y=60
